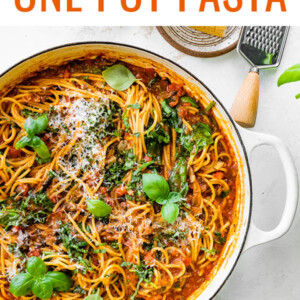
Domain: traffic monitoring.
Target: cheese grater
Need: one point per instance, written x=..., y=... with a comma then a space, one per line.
x=262, y=47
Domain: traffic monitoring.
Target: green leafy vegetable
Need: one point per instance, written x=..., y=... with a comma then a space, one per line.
x=118, y=77
x=159, y=134
x=157, y=189
x=94, y=297
x=155, y=186
x=98, y=208
x=23, y=142
x=27, y=113
x=178, y=178
x=173, y=197
x=200, y=137
x=143, y=272
x=36, y=266
x=170, y=212
x=190, y=100
x=37, y=282
x=290, y=75
x=61, y=282
x=32, y=128
x=221, y=240
x=42, y=287
x=163, y=239
x=135, y=106
x=170, y=114
x=21, y=284
x=210, y=106
x=9, y=218
x=125, y=119
x=155, y=140
x=224, y=194
x=211, y=252
x=40, y=205
x=154, y=80
x=39, y=147
x=36, y=126
x=76, y=248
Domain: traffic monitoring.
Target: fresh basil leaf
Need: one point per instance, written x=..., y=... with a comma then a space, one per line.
x=178, y=178
x=36, y=126
x=36, y=266
x=170, y=212
x=155, y=186
x=61, y=282
x=30, y=126
x=94, y=297
x=42, y=287
x=290, y=75
x=118, y=77
x=41, y=123
x=135, y=106
x=40, y=147
x=187, y=99
x=98, y=208
x=21, y=284
x=23, y=142
x=161, y=200
x=174, y=197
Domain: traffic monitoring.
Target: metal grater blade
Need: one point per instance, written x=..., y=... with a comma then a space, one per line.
x=262, y=46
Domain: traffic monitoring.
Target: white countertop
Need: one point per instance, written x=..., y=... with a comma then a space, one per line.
x=270, y=271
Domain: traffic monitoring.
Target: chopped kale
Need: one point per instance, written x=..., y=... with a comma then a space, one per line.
x=170, y=115
x=28, y=113
x=220, y=239
x=224, y=194
x=20, y=214
x=76, y=248
x=200, y=137
x=178, y=178
x=143, y=272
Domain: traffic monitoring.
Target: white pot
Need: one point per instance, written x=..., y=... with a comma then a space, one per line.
x=244, y=234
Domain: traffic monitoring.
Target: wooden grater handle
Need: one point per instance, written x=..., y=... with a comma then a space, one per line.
x=244, y=108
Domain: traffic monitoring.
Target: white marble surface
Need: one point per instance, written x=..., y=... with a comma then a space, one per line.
x=271, y=271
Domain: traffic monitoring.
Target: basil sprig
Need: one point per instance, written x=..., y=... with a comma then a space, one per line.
x=38, y=281
x=98, y=208
x=157, y=189
x=34, y=127
x=290, y=75
x=118, y=77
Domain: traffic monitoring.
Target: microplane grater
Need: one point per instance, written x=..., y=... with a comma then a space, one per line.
x=262, y=47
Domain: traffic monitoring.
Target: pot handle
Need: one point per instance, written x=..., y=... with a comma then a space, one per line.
x=257, y=236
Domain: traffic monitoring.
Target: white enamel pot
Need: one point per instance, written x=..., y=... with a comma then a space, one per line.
x=243, y=234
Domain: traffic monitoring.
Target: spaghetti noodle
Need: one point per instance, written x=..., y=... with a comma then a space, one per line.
x=101, y=141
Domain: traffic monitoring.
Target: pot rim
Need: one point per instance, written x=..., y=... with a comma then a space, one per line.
x=206, y=87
